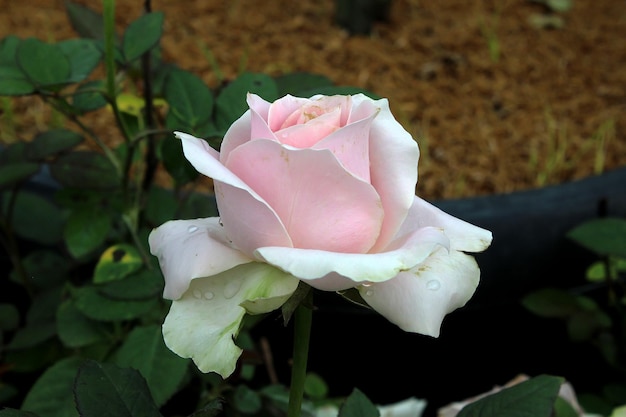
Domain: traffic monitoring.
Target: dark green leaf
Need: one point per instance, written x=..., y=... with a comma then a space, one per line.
x=231, y=102
x=175, y=163
x=105, y=390
x=605, y=236
x=11, y=412
x=188, y=97
x=551, y=302
x=36, y=218
x=45, y=268
x=83, y=56
x=51, y=395
x=212, y=409
x=11, y=174
x=142, y=285
x=36, y=358
x=87, y=22
x=52, y=142
x=117, y=262
x=246, y=400
x=75, y=330
x=99, y=307
x=199, y=205
x=44, y=64
x=532, y=398
x=358, y=405
x=13, y=82
x=161, y=205
x=89, y=96
x=85, y=231
x=84, y=169
x=298, y=83
x=145, y=351
x=9, y=317
x=141, y=35
x=315, y=387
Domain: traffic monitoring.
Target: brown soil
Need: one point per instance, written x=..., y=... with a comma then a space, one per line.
x=549, y=107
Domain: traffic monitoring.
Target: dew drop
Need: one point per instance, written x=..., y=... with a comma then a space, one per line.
x=197, y=294
x=192, y=229
x=433, y=285
x=231, y=289
x=208, y=295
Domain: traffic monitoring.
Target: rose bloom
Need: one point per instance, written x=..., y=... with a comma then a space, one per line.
x=320, y=190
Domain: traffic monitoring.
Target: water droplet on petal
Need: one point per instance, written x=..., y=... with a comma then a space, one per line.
x=231, y=289
x=192, y=229
x=209, y=295
x=433, y=285
x=197, y=294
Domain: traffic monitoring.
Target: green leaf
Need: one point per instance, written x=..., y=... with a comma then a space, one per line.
x=358, y=405
x=298, y=83
x=199, y=205
x=117, y=262
x=106, y=390
x=161, y=205
x=551, y=302
x=44, y=64
x=246, y=400
x=9, y=317
x=189, y=98
x=145, y=284
x=36, y=358
x=315, y=387
x=231, y=102
x=11, y=174
x=141, y=35
x=89, y=96
x=87, y=22
x=52, y=142
x=13, y=153
x=51, y=395
x=45, y=268
x=175, y=163
x=75, y=330
x=99, y=307
x=85, y=231
x=32, y=335
x=145, y=351
x=83, y=56
x=11, y=412
x=13, y=82
x=605, y=236
x=562, y=408
x=212, y=409
x=35, y=218
x=532, y=398
x=84, y=169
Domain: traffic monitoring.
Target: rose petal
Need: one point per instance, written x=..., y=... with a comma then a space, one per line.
x=259, y=225
x=305, y=135
x=315, y=265
x=237, y=134
x=204, y=322
x=418, y=300
x=189, y=249
x=393, y=166
x=281, y=109
x=463, y=236
x=321, y=205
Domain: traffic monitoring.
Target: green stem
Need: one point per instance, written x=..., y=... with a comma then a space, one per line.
x=302, y=335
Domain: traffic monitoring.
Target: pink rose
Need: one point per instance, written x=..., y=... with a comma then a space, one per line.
x=320, y=190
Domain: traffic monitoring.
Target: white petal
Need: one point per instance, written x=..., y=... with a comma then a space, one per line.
x=189, y=249
x=463, y=236
x=315, y=265
x=418, y=300
x=204, y=322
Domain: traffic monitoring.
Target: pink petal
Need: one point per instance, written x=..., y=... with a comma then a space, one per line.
x=281, y=109
x=308, y=134
x=189, y=249
x=393, y=158
x=418, y=300
x=237, y=134
x=317, y=266
x=259, y=128
x=321, y=205
x=463, y=236
x=248, y=220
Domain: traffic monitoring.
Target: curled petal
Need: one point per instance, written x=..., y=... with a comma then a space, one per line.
x=204, y=322
x=316, y=265
x=463, y=236
x=418, y=300
x=189, y=249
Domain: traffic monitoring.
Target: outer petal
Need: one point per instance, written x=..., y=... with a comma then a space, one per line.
x=321, y=205
x=237, y=134
x=393, y=158
x=463, y=236
x=260, y=226
x=203, y=324
x=418, y=300
x=189, y=249
x=315, y=265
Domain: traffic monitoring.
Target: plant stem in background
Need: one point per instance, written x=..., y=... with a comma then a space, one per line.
x=301, y=338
